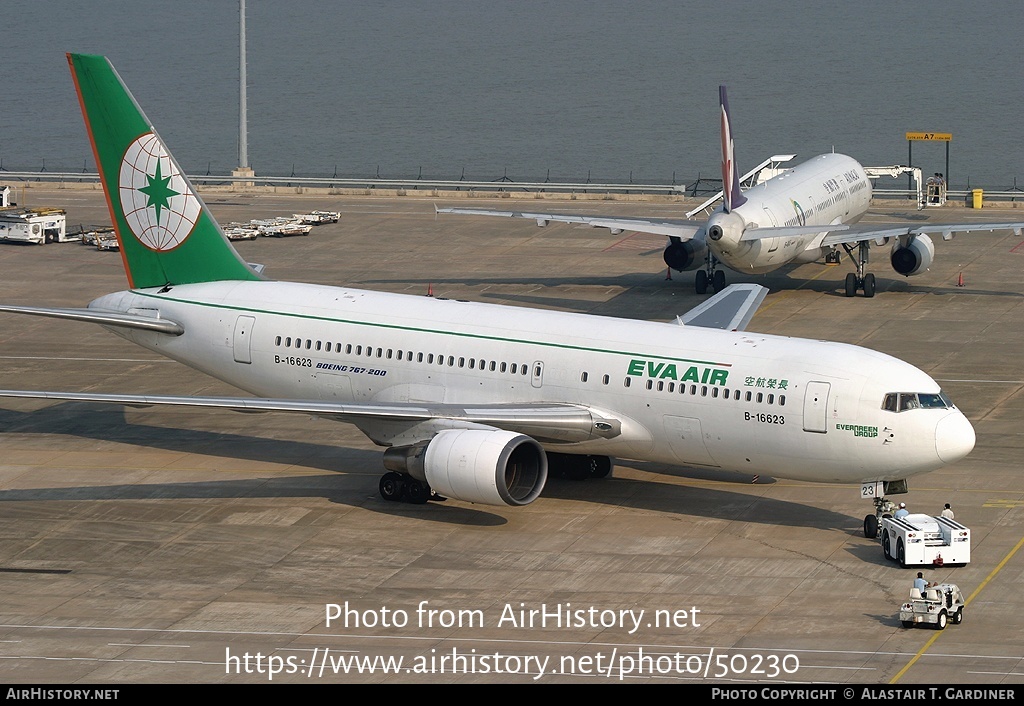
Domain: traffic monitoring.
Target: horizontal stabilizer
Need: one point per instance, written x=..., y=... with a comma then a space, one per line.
x=788, y=231
x=104, y=318
x=682, y=229
x=730, y=310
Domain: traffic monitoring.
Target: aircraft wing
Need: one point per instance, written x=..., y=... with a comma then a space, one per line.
x=682, y=229
x=880, y=231
x=730, y=310
x=546, y=422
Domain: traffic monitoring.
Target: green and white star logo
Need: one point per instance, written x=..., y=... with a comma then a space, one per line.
x=161, y=210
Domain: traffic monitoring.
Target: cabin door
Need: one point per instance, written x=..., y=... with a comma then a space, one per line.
x=243, y=339
x=815, y=407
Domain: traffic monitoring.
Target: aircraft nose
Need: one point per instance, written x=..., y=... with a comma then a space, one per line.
x=954, y=437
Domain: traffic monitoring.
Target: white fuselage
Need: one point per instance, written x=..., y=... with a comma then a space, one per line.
x=748, y=402
x=829, y=189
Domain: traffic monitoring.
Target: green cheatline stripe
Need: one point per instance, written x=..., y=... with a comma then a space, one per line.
x=415, y=329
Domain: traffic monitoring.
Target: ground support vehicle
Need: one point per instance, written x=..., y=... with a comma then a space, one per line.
x=940, y=605
x=923, y=540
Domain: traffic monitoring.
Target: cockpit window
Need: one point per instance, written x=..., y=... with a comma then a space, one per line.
x=903, y=401
x=908, y=400
x=891, y=402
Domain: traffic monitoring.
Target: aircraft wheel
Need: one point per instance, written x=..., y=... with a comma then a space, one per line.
x=600, y=466
x=701, y=281
x=391, y=486
x=416, y=493
x=870, y=526
x=851, y=284
x=869, y=285
x=718, y=280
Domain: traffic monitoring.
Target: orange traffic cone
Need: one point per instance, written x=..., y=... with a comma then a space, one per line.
x=668, y=273
x=960, y=280
x=430, y=290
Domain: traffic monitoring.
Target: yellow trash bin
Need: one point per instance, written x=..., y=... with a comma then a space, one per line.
x=977, y=193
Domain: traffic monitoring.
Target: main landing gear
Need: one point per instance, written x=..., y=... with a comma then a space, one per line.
x=579, y=467
x=860, y=280
x=401, y=488
x=710, y=275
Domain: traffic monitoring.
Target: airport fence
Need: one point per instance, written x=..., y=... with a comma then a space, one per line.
x=703, y=187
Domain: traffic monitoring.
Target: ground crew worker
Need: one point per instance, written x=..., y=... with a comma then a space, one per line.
x=947, y=512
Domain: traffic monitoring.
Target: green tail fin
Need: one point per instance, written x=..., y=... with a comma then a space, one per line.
x=166, y=233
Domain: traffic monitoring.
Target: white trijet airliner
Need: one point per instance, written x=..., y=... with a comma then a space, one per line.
x=475, y=401
x=801, y=215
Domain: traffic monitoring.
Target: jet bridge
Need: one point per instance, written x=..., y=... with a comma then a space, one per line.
x=758, y=175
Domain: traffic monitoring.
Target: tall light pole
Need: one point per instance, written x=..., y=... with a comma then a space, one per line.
x=243, y=146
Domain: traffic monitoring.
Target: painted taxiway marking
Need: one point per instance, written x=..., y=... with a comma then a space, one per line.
x=1006, y=504
x=926, y=646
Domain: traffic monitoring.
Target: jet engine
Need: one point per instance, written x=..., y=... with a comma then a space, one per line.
x=491, y=467
x=912, y=256
x=682, y=255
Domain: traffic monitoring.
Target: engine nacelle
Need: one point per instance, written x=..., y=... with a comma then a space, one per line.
x=912, y=256
x=483, y=466
x=682, y=255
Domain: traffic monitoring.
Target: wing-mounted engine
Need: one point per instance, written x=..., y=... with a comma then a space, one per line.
x=682, y=255
x=912, y=255
x=491, y=467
